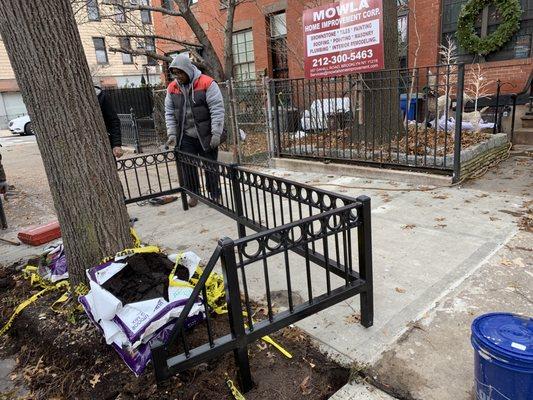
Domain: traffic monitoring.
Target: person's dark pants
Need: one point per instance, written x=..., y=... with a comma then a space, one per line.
x=190, y=174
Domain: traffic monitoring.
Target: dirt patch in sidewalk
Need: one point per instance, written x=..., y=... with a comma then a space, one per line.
x=61, y=359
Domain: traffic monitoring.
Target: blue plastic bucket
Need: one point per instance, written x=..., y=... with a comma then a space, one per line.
x=503, y=348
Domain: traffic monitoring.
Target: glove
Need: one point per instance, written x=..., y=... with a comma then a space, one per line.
x=172, y=142
x=3, y=187
x=215, y=141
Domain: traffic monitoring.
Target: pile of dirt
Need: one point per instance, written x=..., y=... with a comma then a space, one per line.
x=144, y=278
x=60, y=359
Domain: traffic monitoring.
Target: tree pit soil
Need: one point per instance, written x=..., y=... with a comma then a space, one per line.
x=145, y=277
x=64, y=360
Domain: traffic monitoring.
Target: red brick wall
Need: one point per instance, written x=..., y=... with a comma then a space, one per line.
x=248, y=15
x=424, y=34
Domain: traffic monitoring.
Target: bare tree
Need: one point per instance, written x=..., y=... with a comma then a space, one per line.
x=71, y=134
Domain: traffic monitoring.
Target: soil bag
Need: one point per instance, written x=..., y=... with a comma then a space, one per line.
x=137, y=296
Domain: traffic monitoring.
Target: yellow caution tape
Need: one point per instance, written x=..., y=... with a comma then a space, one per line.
x=234, y=391
x=136, y=250
x=136, y=238
x=269, y=340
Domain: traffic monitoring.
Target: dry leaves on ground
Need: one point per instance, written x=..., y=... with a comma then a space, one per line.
x=305, y=387
x=442, y=226
x=353, y=318
x=441, y=196
x=400, y=290
x=440, y=219
x=94, y=381
x=409, y=226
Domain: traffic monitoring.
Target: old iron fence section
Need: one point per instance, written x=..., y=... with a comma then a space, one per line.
x=139, y=133
x=312, y=245
x=147, y=176
x=396, y=118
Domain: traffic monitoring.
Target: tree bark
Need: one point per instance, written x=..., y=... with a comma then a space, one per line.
x=382, y=117
x=45, y=50
x=228, y=38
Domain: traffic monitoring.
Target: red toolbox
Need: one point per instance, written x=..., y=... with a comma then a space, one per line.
x=37, y=235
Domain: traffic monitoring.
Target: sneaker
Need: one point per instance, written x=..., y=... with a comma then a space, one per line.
x=193, y=202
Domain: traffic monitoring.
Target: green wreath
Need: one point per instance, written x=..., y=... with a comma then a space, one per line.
x=510, y=11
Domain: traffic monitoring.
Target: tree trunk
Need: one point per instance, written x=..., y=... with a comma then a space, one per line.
x=46, y=53
x=381, y=88
x=212, y=63
x=228, y=39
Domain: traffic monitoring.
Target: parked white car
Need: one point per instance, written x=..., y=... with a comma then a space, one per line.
x=21, y=125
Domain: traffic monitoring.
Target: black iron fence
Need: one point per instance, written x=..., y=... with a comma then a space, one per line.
x=398, y=118
x=140, y=99
x=323, y=236
x=139, y=133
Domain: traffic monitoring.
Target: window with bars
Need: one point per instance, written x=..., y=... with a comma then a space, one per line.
x=278, y=45
x=243, y=55
x=146, y=16
x=518, y=47
x=167, y=4
x=100, y=49
x=149, y=45
x=93, y=12
x=120, y=14
x=125, y=43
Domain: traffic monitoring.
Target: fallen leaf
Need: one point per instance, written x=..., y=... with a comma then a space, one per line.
x=409, y=226
x=400, y=290
x=204, y=230
x=262, y=346
x=506, y=262
x=440, y=219
x=353, y=318
x=442, y=226
x=441, y=196
x=480, y=196
x=494, y=219
x=305, y=386
x=312, y=365
x=95, y=380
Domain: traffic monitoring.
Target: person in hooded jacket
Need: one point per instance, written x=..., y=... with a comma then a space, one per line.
x=112, y=122
x=194, y=114
x=3, y=179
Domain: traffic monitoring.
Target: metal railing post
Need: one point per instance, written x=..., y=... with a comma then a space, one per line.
x=364, y=244
x=269, y=115
x=458, y=123
x=513, y=115
x=277, y=135
x=497, y=112
x=238, y=200
x=3, y=219
x=236, y=321
x=181, y=180
x=135, y=128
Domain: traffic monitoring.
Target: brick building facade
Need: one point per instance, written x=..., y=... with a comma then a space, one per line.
x=269, y=39
x=431, y=21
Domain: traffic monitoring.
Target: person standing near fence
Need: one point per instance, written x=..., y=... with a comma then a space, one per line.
x=194, y=114
x=112, y=122
x=3, y=179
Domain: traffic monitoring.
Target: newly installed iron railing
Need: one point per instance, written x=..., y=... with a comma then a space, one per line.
x=310, y=245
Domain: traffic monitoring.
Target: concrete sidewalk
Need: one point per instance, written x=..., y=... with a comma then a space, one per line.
x=425, y=244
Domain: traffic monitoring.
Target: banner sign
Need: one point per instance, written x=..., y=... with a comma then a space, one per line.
x=343, y=38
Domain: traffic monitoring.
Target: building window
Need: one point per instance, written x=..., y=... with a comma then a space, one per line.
x=278, y=45
x=243, y=55
x=125, y=43
x=93, y=13
x=488, y=21
x=150, y=46
x=100, y=49
x=120, y=14
x=146, y=16
x=403, y=31
x=167, y=4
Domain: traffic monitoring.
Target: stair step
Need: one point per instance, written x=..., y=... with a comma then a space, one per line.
x=523, y=136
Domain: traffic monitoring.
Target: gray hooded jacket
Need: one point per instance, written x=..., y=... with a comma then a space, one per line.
x=201, y=97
